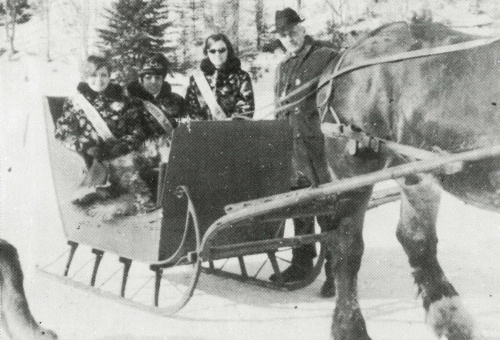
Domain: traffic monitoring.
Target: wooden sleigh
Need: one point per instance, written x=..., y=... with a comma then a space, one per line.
x=201, y=224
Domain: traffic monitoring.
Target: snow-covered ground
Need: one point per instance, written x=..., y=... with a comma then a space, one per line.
x=220, y=309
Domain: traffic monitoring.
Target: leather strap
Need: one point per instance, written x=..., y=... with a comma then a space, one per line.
x=94, y=117
x=365, y=141
x=426, y=52
x=158, y=114
x=209, y=96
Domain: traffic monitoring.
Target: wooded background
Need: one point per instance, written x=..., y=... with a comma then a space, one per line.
x=69, y=29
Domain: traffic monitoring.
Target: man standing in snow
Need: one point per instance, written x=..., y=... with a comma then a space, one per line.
x=305, y=60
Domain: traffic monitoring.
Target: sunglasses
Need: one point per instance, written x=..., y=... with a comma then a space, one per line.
x=220, y=50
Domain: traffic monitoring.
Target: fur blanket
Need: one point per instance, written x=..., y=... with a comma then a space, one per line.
x=131, y=185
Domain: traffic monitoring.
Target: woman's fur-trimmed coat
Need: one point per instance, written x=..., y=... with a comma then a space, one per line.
x=123, y=117
x=173, y=105
x=232, y=88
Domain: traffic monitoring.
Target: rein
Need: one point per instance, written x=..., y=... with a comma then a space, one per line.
x=426, y=52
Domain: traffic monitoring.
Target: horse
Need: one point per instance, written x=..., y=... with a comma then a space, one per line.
x=431, y=88
x=16, y=318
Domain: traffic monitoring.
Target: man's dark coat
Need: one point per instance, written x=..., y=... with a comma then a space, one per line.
x=309, y=160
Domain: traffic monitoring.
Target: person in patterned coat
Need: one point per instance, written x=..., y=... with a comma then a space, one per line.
x=231, y=85
x=152, y=86
x=114, y=161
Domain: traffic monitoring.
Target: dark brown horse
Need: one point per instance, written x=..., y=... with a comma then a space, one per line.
x=442, y=101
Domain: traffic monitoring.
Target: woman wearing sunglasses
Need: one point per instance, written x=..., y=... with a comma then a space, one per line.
x=220, y=89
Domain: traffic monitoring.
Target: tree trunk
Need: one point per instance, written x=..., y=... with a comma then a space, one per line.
x=259, y=22
x=84, y=28
x=184, y=39
x=233, y=23
x=47, y=23
x=10, y=23
x=193, y=20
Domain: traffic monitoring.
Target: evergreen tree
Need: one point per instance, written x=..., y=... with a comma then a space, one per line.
x=194, y=26
x=135, y=29
x=21, y=8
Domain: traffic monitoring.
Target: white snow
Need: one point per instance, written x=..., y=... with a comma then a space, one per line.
x=221, y=308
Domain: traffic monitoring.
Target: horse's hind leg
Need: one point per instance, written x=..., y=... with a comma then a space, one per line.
x=347, y=249
x=16, y=317
x=417, y=233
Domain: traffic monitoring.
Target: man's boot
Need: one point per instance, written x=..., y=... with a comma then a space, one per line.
x=298, y=270
x=302, y=257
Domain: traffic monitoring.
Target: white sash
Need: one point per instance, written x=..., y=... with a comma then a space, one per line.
x=158, y=114
x=208, y=95
x=94, y=117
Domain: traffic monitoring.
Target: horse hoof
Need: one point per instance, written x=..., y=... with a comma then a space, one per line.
x=348, y=322
x=449, y=318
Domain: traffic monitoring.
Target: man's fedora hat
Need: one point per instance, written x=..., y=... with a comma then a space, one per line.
x=286, y=19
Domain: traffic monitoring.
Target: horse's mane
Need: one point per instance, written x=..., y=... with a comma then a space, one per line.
x=401, y=37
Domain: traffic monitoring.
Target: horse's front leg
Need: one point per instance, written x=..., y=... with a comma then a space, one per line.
x=347, y=249
x=417, y=233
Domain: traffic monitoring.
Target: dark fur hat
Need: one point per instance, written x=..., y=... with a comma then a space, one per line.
x=155, y=64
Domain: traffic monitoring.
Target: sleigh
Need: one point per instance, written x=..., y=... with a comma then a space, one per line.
x=211, y=190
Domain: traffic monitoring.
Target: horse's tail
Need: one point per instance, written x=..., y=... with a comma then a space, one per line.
x=16, y=317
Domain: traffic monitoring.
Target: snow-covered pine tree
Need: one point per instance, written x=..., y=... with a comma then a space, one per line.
x=135, y=29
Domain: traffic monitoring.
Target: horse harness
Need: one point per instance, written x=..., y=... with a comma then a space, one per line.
x=359, y=141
